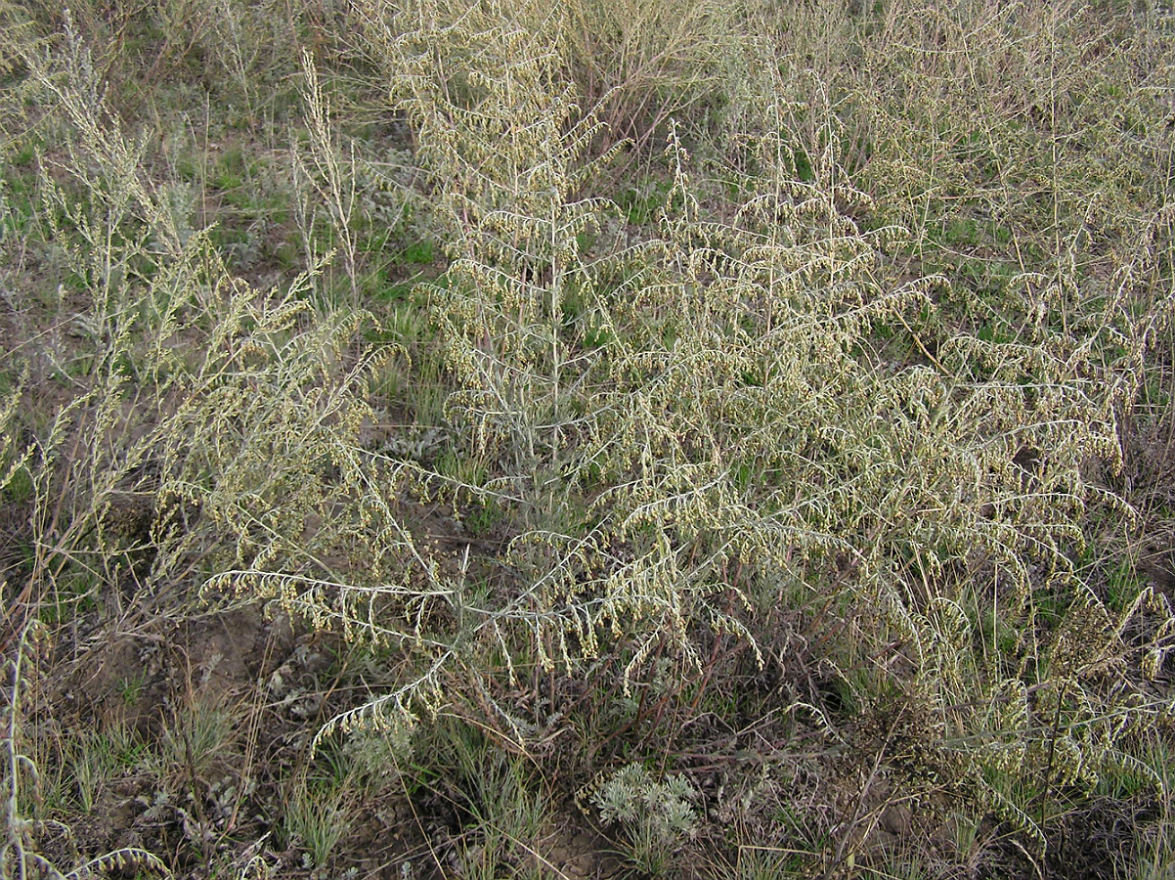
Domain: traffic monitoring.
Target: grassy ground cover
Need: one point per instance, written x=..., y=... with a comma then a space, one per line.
x=494, y=439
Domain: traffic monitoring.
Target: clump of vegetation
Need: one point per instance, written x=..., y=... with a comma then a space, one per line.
x=751, y=425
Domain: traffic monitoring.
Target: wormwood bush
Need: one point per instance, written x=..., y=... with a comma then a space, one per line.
x=214, y=435
x=525, y=309
x=749, y=421
x=773, y=434
x=500, y=139
x=724, y=399
x=516, y=309
x=211, y=438
x=147, y=281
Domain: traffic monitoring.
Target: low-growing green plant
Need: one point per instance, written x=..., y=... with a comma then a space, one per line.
x=655, y=815
x=315, y=821
x=193, y=740
x=100, y=757
x=503, y=813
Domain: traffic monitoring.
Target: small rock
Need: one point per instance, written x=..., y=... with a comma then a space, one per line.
x=896, y=820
